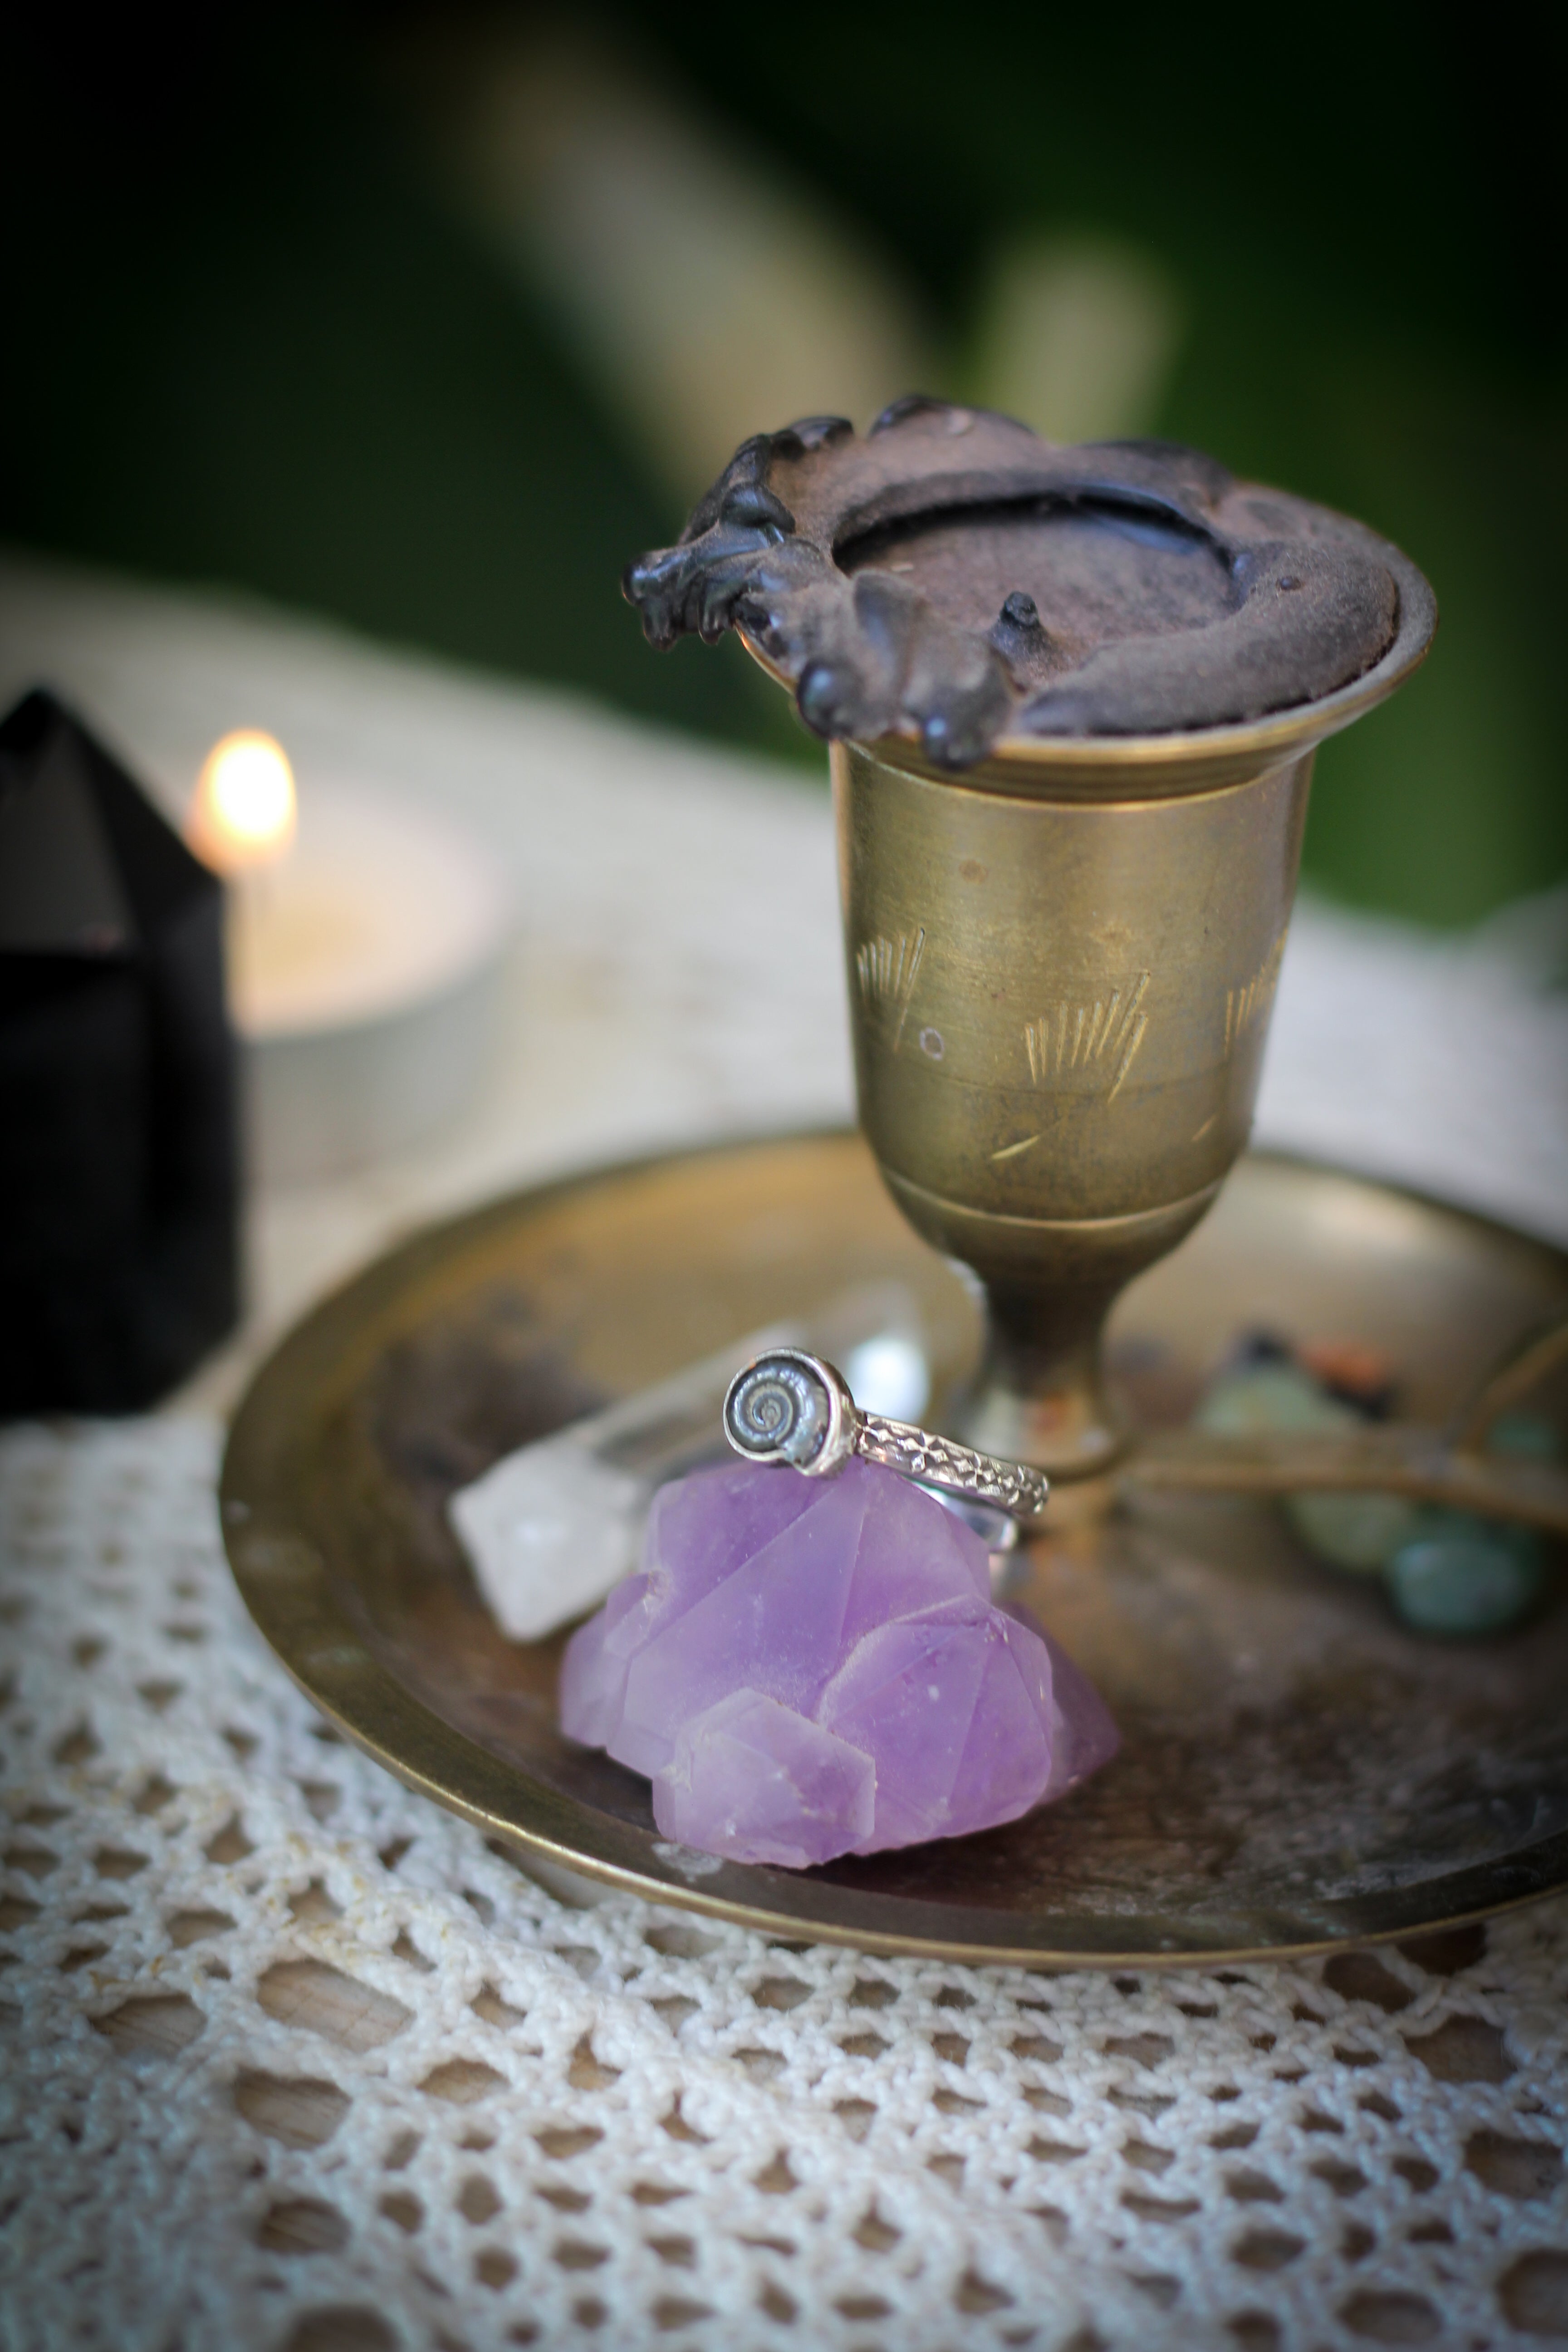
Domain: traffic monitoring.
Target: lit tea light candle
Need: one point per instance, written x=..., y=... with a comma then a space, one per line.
x=365, y=940
x=245, y=809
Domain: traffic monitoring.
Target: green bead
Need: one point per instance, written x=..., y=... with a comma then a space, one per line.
x=1464, y=1575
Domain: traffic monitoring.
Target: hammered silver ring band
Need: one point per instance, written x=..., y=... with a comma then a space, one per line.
x=791, y=1407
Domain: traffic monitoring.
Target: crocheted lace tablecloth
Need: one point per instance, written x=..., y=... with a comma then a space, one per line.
x=292, y=2059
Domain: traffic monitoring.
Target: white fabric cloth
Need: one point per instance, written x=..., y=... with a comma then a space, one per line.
x=294, y=2060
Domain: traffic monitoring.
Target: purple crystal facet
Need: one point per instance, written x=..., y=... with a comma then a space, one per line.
x=806, y=1669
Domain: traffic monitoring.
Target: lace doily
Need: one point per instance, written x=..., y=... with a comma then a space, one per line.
x=294, y=2060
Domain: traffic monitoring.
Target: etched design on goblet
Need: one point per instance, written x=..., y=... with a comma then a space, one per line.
x=886, y=971
x=1245, y=1006
x=1100, y=1038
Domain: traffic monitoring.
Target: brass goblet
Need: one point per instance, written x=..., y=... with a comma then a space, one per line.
x=1061, y=967
x=1074, y=696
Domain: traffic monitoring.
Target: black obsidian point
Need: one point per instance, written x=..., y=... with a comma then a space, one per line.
x=119, y=1162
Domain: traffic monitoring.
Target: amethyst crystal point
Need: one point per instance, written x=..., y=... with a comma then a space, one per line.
x=757, y=1781
x=806, y=1669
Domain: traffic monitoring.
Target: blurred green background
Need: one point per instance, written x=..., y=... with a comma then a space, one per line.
x=429, y=321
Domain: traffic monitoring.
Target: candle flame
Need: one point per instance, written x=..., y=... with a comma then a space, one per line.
x=244, y=813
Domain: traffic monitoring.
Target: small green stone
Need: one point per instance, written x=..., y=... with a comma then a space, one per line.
x=1524, y=1435
x=1464, y=1575
x=1350, y=1530
x=1358, y=1531
x=1271, y=1397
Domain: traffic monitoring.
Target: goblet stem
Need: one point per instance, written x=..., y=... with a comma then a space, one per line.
x=1039, y=1396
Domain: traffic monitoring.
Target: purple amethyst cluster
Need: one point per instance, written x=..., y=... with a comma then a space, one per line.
x=810, y=1667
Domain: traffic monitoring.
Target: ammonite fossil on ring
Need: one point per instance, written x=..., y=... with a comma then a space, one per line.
x=782, y=1408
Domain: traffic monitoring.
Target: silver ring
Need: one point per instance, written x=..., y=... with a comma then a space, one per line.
x=791, y=1407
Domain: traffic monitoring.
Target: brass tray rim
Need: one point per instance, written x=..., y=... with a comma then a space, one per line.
x=290, y=1600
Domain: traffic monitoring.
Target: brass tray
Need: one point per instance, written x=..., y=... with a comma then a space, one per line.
x=1299, y=1770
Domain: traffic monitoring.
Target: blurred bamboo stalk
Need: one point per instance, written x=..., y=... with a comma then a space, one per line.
x=706, y=298
x=1076, y=336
